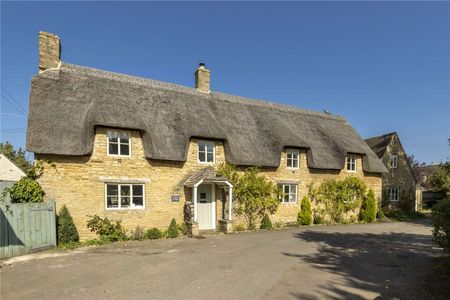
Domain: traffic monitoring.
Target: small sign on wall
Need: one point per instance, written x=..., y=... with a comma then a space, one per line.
x=175, y=198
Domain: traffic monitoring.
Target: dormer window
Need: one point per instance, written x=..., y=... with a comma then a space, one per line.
x=119, y=143
x=292, y=158
x=206, y=151
x=393, y=161
x=351, y=162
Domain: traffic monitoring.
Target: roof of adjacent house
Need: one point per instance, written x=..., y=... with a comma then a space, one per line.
x=380, y=143
x=66, y=104
x=9, y=171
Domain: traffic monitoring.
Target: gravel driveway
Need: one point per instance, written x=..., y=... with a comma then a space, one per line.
x=345, y=261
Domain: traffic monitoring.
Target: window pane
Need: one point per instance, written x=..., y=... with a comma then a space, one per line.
x=286, y=189
x=295, y=162
x=112, y=202
x=124, y=136
x=289, y=162
x=124, y=149
x=124, y=201
x=112, y=136
x=113, y=149
x=286, y=197
x=112, y=189
x=293, y=198
x=138, y=201
x=125, y=190
x=201, y=146
x=210, y=157
x=201, y=156
x=138, y=190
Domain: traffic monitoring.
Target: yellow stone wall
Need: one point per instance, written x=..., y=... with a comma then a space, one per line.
x=79, y=183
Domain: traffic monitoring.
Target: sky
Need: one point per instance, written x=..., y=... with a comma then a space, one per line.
x=384, y=66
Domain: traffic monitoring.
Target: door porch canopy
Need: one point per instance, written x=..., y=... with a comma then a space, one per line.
x=207, y=176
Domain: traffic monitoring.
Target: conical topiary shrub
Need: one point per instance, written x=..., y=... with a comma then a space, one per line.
x=67, y=231
x=266, y=223
x=172, y=232
x=305, y=215
x=368, y=211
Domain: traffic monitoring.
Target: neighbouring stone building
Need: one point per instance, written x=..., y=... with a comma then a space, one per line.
x=399, y=186
x=145, y=151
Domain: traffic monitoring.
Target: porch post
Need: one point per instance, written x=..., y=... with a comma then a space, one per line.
x=194, y=197
x=230, y=206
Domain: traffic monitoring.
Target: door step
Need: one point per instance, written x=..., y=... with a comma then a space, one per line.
x=207, y=231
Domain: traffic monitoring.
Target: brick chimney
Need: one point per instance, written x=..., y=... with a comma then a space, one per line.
x=203, y=79
x=49, y=51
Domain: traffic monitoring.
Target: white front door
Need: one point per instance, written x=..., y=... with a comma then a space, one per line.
x=206, y=207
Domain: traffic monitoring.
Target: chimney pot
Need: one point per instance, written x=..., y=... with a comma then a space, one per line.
x=49, y=51
x=203, y=79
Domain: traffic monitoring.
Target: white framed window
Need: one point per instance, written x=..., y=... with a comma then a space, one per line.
x=124, y=196
x=289, y=193
x=119, y=143
x=206, y=151
x=351, y=162
x=292, y=156
x=393, y=161
x=394, y=194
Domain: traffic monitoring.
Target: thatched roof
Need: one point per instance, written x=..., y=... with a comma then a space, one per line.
x=67, y=103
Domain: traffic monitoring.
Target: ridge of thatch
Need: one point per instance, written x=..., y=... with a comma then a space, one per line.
x=66, y=105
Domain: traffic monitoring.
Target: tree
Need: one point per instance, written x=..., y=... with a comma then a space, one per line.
x=416, y=168
x=254, y=194
x=305, y=214
x=67, y=231
x=440, y=180
x=368, y=211
x=18, y=157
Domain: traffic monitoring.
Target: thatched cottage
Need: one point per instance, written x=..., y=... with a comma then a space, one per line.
x=138, y=150
x=399, y=186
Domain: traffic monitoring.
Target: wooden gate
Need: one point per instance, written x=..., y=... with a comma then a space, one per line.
x=26, y=227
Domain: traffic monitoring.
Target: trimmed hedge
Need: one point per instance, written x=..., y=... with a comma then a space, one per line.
x=67, y=231
x=266, y=223
x=368, y=212
x=172, y=232
x=153, y=234
x=305, y=214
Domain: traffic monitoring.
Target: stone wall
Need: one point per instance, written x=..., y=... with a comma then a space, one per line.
x=79, y=183
x=400, y=177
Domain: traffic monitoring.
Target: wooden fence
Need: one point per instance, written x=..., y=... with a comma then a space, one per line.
x=26, y=227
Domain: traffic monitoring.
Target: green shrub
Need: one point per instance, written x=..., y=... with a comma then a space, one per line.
x=67, y=231
x=277, y=224
x=172, y=231
x=108, y=230
x=153, y=234
x=137, y=234
x=318, y=219
x=183, y=229
x=239, y=227
x=26, y=190
x=368, y=212
x=440, y=214
x=253, y=193
x=265, y=222
x=305, y=214
x=338, y=196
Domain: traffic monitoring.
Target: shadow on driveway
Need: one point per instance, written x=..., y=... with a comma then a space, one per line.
x=392, y=265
